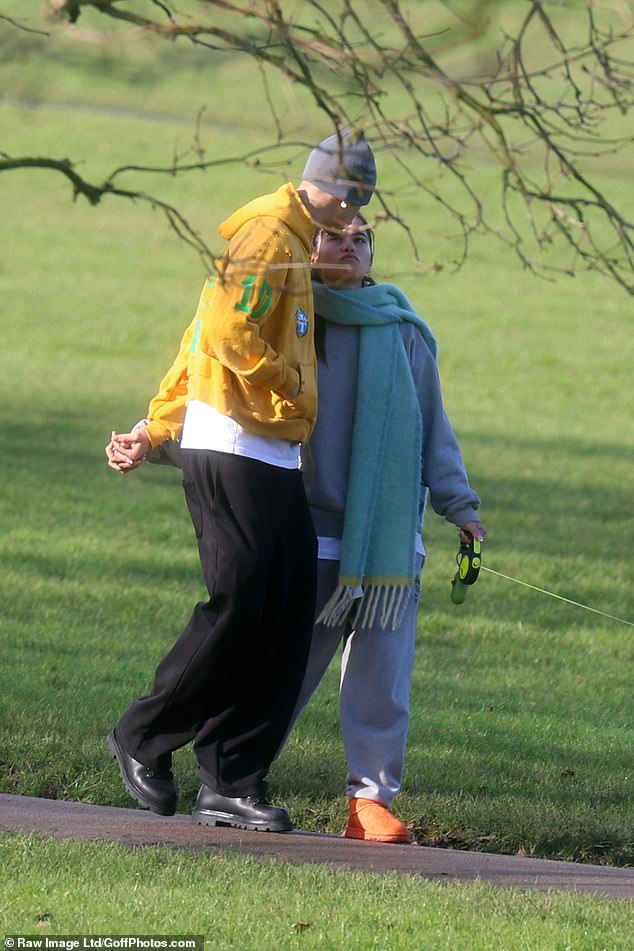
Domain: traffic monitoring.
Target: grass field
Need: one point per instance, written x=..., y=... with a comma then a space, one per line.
x=243, y=903
x=521, y=735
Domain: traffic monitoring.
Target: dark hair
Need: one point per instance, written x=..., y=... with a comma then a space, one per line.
x=367, y=280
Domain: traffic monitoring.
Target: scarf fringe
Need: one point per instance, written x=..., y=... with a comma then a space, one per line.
x=385, y=602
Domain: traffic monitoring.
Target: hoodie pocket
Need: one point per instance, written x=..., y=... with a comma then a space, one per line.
x=302, y=406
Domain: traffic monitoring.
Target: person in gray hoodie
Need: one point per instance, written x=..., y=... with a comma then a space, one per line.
x=382, y=443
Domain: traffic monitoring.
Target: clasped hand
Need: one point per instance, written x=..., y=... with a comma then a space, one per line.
x=126, y=451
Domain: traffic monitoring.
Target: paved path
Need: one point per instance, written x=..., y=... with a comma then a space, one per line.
x=76, y=820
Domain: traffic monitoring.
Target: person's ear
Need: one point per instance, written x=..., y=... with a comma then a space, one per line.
x=315, y=249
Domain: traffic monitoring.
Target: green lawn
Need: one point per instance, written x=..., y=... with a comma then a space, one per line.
x=244, y=904
x=521, y=735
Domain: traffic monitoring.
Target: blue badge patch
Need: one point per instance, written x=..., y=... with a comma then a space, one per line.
x=301, y=319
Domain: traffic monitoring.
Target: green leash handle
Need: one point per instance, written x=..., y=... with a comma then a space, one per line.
x=469, y=561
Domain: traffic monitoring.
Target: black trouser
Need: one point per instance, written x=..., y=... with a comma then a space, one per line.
x=231, y=680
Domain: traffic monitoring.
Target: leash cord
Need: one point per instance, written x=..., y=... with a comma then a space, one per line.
x=558, y=596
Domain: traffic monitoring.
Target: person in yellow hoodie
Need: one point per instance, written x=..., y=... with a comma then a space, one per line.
x=241, y=397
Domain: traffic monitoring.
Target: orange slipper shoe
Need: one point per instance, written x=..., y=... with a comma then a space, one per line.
x=374, y=822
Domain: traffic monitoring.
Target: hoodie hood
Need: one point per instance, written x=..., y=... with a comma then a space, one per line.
x=284, y=204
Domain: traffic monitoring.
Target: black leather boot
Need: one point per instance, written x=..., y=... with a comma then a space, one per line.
x=250, y=812
x=152, y=789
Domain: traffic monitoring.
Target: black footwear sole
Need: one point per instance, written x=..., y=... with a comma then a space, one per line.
x=131, y=790
x=208, y=818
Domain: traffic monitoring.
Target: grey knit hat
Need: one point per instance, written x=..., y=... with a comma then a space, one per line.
x=344, y=167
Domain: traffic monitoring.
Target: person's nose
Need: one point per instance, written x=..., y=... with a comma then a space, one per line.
x=347, y=244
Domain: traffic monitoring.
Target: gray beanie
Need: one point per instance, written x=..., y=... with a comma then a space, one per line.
x=343, y=167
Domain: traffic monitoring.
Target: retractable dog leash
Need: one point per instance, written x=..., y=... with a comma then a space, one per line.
x=469, y=562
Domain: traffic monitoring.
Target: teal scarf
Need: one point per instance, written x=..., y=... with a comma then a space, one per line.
x=385, y=498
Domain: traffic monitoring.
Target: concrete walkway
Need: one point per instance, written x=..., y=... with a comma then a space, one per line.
x=75, y=820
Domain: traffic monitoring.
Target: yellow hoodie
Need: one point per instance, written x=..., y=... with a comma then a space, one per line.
x=249, y=351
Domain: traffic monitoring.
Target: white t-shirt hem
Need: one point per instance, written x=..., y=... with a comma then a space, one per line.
x=329, y=549
x=206, y=428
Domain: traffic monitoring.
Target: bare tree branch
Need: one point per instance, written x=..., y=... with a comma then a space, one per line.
x=22, y=26
x=538, y=104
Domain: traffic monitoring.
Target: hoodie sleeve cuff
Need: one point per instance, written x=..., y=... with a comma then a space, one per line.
x=461, y=518
x=158, y=432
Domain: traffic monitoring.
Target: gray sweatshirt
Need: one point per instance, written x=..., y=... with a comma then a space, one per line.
x=326, y=457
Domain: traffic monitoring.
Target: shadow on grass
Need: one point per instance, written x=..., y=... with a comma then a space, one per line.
x=560, y=496
x=73, y=530
x=564, y=498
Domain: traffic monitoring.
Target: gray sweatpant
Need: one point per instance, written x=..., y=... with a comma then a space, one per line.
x=376, y=670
